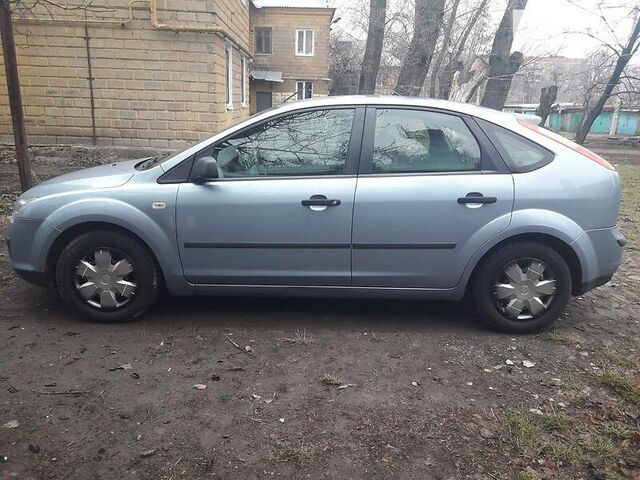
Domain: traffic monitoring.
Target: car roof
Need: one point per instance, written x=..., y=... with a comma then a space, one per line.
x=457, y=107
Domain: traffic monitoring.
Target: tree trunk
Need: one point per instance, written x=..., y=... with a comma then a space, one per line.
x=428, y=19
x=627, y=52
x=503, y=64
x=445, y=82
x=548, y=97
x=373, y=50
x=444, y=49
x=15, y=98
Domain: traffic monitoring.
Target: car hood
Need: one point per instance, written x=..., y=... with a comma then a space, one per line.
x=105, y=176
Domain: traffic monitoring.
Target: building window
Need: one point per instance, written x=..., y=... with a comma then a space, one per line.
x=229, y=75
x=243, y=81
x=262, y=37
x=304, y=42
x=304, y=89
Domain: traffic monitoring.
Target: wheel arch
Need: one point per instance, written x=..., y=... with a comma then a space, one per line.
x=74, y=231
x=563, y=248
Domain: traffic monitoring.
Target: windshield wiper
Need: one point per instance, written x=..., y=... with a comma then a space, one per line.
x=147, y=164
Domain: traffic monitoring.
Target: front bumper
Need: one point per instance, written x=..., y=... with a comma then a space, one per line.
x=603, y=250
x=28, y=242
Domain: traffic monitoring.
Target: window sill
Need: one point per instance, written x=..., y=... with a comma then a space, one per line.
x=304, y=55
x=256, y=54
x=229, y=107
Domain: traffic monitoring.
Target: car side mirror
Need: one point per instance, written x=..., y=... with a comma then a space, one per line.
x=205, y=169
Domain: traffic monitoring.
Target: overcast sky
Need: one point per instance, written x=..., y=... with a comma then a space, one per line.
x=547, y=26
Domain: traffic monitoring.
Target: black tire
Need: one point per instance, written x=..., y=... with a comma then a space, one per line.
x=146, y=274
x=493, y=267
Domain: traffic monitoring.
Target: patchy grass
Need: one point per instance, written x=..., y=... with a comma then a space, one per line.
x=300, y=338
x=630, y=205
x=566, y=339
x=301, y=454
x=331, y=380
x=630, y=361
x=529, y=432
x=624, y=387
x=619, y=431
x=563, y=452
x=602, y=449
x=529, y=475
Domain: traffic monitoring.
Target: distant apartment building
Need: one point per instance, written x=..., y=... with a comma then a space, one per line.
x=290, y=52
x=540, y=72
x=161, y=73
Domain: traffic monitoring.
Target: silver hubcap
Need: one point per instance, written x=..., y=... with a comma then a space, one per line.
x=105, y=279
x=524, y=290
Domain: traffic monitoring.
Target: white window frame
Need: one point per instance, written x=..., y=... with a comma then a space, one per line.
x=303, y=82
x=304, y=41
x=243, y=81
x=229, y=76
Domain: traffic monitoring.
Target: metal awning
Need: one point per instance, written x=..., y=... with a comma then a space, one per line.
x=267, y=75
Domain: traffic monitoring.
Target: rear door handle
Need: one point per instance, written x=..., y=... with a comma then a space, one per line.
x=321, y=202
x=477, y=198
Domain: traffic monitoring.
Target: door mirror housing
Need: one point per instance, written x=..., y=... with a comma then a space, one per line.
x=205, y=169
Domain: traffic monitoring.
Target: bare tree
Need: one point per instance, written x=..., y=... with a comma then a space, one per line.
x=373, y=50
x=502, y=63
x=444, y=48
x=454, y=63
x=15, y=97
x=428, y=19
x=628, y=50
x=548, y=97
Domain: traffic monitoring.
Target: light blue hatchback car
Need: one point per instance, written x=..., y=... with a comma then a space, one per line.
x=343, y=196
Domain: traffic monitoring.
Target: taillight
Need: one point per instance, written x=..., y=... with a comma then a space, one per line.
x=568, y=143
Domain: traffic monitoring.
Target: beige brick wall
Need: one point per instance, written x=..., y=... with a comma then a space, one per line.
x=284, y=22
x=151, y=87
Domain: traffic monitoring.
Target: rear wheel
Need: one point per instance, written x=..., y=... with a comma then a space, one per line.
x=107, y=276
x=522, y=287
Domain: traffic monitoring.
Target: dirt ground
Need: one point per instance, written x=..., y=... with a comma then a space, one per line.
x=318, y=388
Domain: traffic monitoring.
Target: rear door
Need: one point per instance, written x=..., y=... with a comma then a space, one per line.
x=431, y=190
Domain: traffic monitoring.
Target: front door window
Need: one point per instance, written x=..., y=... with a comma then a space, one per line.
x=302, y=144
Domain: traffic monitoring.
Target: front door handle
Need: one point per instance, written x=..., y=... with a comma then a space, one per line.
x=321, y=202
x=477, y=198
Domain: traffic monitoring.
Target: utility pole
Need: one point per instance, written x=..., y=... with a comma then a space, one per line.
x=15, y=98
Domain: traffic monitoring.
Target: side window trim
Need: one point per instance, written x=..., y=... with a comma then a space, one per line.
x=487, y=152
x=353, y=157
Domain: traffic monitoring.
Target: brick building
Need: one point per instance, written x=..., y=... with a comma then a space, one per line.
x=291, y=51
x=161, y=73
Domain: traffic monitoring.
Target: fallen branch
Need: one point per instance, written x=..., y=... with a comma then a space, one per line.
x=239, y=347
x=68, y=392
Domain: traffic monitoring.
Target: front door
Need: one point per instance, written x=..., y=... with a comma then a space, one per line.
x=418, y=217
x=264, y=100
x=281, y=211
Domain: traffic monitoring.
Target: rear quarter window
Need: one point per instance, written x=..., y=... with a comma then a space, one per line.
x=520, y=153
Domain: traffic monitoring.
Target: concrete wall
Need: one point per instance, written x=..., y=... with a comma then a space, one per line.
x=569, y=121
x=151, y=87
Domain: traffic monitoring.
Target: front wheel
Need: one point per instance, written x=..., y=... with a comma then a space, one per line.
x=522, y=287
x=107, y=276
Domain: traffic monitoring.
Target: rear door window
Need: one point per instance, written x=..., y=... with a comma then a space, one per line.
x=407, y=141
x=520, y=153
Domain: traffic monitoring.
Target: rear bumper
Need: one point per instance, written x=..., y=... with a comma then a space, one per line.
x=602, y=255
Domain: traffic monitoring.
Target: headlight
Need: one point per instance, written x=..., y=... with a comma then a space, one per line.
x=21, y=202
